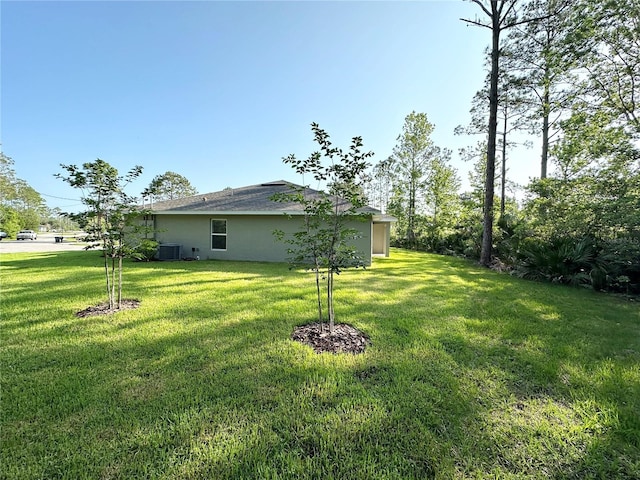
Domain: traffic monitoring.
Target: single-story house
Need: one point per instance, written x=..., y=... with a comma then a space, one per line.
x=239, y=224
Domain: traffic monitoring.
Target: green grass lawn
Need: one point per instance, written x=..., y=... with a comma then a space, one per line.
x=470, y=374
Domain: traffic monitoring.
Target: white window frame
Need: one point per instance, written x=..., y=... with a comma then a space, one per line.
x=217, y=234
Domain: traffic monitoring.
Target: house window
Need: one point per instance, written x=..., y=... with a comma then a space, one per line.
x=218, y=234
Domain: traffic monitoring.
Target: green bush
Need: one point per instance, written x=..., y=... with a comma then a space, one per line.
x=145, y=251
x=622, y=259
x=562, y=260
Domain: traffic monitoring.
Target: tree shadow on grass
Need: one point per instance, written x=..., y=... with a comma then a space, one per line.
x=555, y=404
x=215, y=389
x=227, y=400
x=535, y=353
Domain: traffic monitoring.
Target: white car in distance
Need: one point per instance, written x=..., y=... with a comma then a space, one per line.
x=26, y=235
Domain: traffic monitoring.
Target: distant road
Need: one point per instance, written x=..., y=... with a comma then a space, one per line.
x=45, y=243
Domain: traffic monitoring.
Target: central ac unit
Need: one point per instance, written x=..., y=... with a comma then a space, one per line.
x=169, y=251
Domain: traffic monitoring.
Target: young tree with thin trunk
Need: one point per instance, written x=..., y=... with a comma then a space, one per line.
x=324, y=241
x=110, y=214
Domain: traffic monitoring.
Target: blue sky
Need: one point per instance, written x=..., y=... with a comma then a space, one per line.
x=220, y=91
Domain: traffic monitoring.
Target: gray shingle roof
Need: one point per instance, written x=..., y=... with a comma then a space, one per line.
x=254, y=199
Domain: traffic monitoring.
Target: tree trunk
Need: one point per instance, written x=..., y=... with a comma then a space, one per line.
x=545, y=131
x=503, y=183
x=316, y=269
x=435, y=216
x=120, y=277
x=411, y=233
x=330, y=300
x=113, y=281
x=487, y=227
x=106, y=275
x=317, y=272
x=332, y=264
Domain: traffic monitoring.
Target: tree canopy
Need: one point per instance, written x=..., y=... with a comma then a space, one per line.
x=169, y=186
x=21, y=206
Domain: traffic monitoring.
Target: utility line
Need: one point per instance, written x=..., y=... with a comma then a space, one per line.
x=60, y=198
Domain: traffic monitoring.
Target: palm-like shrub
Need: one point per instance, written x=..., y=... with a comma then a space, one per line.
x=562, y=260
x=622, y=257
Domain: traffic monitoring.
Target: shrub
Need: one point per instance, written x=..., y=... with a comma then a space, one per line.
x=145, y=251
x=562, y=260
x=622, y=259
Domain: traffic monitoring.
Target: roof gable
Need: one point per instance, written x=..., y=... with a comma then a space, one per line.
x=254, y=199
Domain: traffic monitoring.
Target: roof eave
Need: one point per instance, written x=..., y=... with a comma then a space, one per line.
x=384, y=218
x=226, y=212
x=241, y=212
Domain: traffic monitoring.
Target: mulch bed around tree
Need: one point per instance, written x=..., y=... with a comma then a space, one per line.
x=345, y=338
x=103, y=308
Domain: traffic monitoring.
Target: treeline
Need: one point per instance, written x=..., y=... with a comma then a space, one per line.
x=568, y=74
x=21, y=207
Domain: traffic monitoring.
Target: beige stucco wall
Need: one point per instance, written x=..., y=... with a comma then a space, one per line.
x=249, y=237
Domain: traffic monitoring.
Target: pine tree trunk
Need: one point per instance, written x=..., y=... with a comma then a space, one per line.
x=503, y=184
x=411, y=234
x=487, y=227
x=545, y=133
